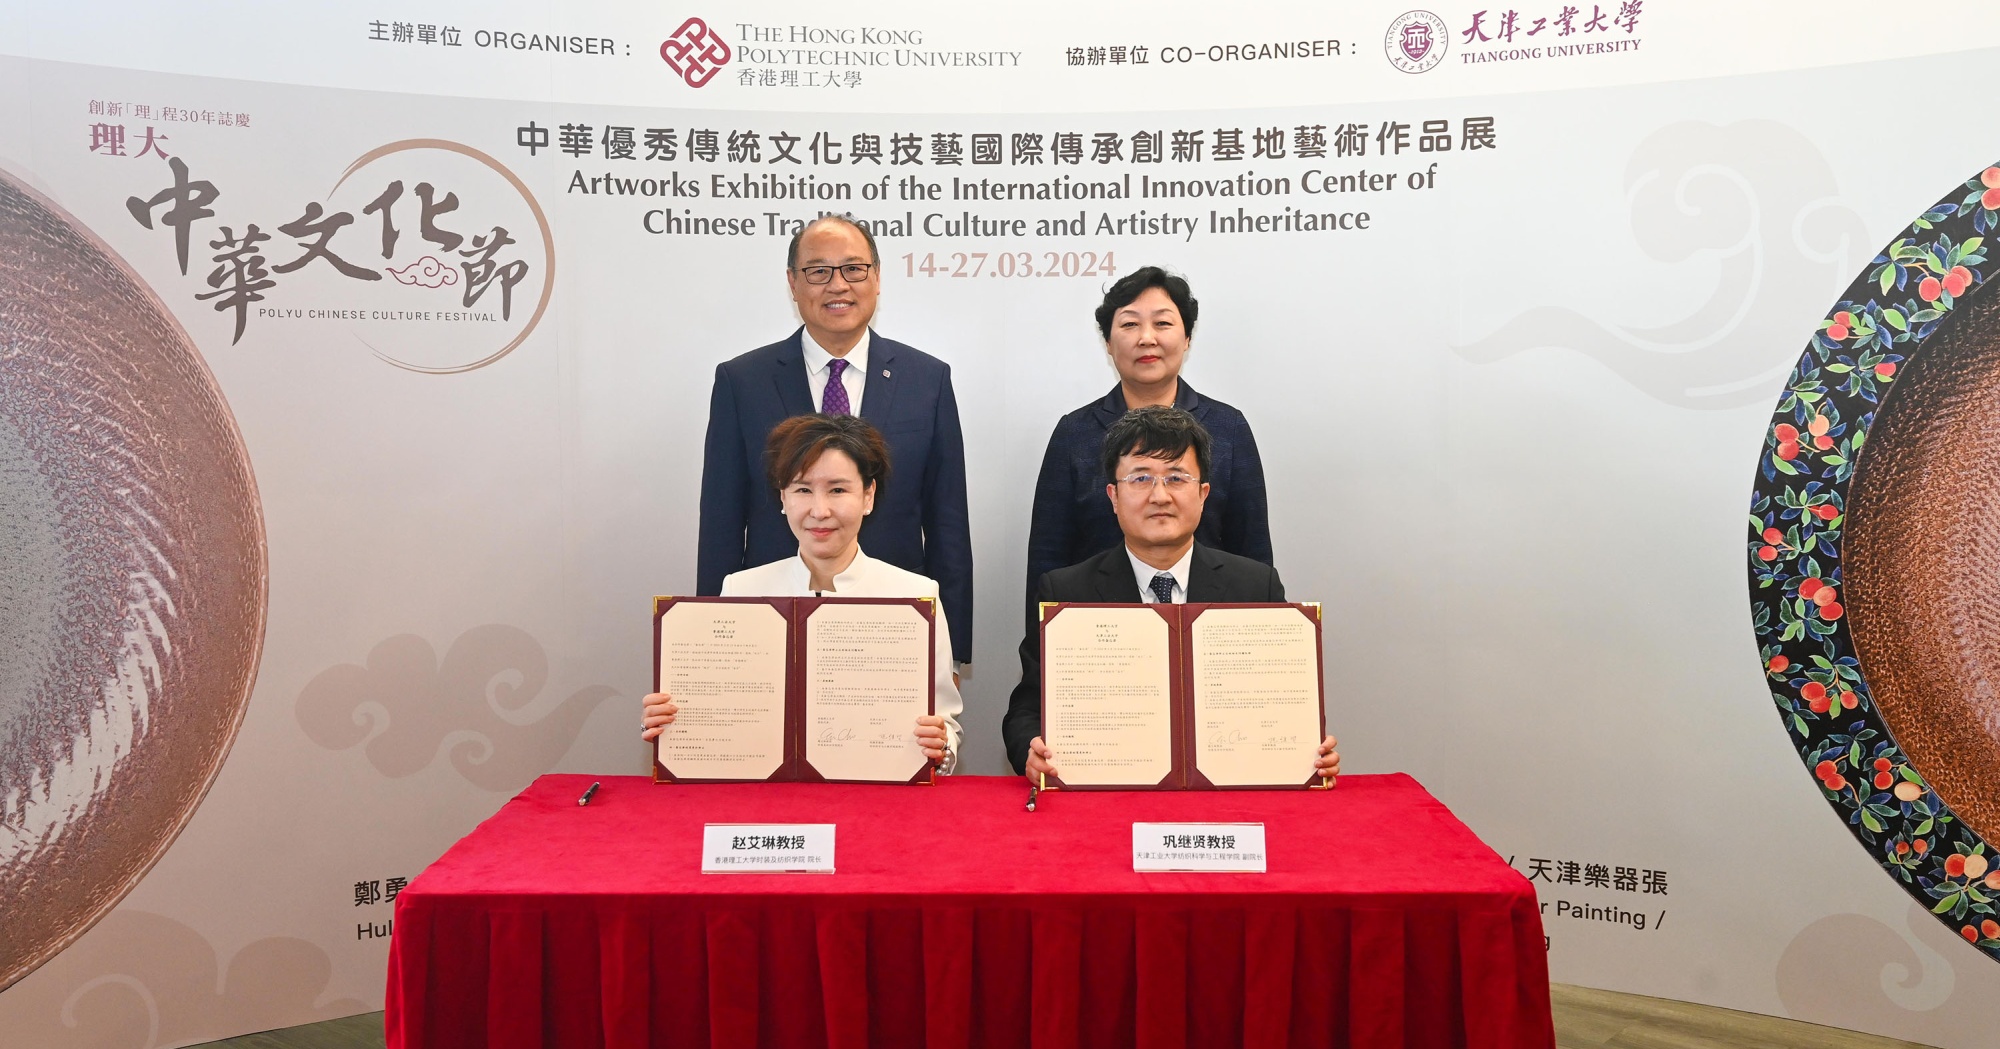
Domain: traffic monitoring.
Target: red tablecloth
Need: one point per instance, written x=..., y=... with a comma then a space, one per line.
x=959, y=920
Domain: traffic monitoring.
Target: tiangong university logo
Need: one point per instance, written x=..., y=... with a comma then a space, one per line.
x=695, y=52
x=1417, y=41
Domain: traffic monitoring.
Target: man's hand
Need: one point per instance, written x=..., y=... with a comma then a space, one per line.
x=1039, y=761
x=659, y=713
x=1328, y=762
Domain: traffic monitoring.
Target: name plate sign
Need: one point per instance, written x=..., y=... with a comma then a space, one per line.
x=1234, y=847
x=760, y=848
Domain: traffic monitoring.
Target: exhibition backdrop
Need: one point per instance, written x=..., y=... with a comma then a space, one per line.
x=354, y=365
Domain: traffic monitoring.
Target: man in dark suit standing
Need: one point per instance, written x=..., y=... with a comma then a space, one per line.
x=1156, y=458
x=835, y=364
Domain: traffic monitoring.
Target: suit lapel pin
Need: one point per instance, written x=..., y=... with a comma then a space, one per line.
x=885, y=373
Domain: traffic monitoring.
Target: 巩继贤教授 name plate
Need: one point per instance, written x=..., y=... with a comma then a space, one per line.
x=1224, y=847
x=766, y=848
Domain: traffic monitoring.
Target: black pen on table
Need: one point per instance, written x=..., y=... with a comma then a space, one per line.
x=589, y=792
x=1033, y=790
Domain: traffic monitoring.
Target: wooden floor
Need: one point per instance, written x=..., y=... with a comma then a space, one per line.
x=1585, y=1019
x=1590, y=1019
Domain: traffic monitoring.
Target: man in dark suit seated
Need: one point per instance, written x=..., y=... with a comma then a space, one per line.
x=1156, y=458
x=835, y=364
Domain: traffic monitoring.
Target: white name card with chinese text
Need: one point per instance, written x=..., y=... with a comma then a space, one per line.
x=1235, y=847
x=762, y=848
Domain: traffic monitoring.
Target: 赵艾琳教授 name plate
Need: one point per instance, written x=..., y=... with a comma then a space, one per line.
x=1227, y=847
x=764, y=848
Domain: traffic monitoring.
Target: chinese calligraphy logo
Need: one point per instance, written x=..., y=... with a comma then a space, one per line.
x=433, y=215
x=1416, y=41
x=695, y=52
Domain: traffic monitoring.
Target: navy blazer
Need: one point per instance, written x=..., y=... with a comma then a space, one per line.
x=1072, y=518
x=920, y=521
x=1213, y=577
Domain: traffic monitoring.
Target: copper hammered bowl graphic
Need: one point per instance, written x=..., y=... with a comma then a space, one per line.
x=132, y=579
x=1874, y=556
x=1923, y=562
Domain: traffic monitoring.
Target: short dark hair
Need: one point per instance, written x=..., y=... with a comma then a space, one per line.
x=1156, y=431
x=1134, y=284
x=798, y=442
x=792, y=252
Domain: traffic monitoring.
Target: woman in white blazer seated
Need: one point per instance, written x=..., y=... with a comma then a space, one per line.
x=827, y=470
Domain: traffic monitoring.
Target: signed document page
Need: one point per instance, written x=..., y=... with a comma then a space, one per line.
x=1254, y=674
x=725, y=665
x=1107, y=695
x=868, y=680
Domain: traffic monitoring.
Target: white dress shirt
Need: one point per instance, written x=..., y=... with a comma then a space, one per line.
x=866, y=577
x=1144, y=573
x=855, y=378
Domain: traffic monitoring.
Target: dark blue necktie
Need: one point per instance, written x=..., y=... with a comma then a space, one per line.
x=1163, y=588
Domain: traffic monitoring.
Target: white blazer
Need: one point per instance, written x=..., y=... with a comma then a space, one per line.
x=866, y=577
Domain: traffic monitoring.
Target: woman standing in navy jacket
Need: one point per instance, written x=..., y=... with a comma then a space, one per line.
x=1147, y=320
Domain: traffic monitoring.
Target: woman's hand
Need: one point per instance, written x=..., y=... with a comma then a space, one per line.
x=1327, y=764
x=933, y=737
x=1039, y=760
x=659, y=713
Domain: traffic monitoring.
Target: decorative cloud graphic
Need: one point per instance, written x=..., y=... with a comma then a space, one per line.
x=1755, y=200
x=1853, y=971
x=139, y=980
x=427, y=272
x=428, y=705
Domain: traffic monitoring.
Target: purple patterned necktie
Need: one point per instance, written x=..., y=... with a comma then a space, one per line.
x=834, y=401
x=1163, y=588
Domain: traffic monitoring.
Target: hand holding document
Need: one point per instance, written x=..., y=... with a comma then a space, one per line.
x=656, y=715
x=934, y=738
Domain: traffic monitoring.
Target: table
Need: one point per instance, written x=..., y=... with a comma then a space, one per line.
x=958, y=920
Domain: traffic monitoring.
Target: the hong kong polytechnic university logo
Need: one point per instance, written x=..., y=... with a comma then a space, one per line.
x=695, y=52
x=1417, y=41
